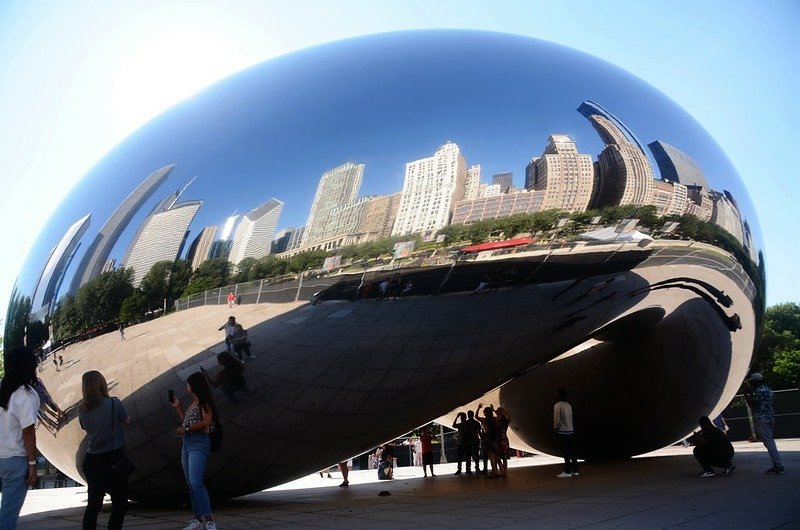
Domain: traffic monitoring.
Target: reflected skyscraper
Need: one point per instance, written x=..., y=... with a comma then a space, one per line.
x=253, y=237
x=677, y=166
x=726, y=215
x=670, y=198
x=200, y=248
x=162, y=237
x=472, y=188
x=431, y=189
x=505, y=180
x=565, y=176
x=591, y=108
x=337, y=188
x=94, y=259
x=47, y=287
x=498, y=205
x=625, y=175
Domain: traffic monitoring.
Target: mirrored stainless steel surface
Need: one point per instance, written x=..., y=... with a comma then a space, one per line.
x=407, y=223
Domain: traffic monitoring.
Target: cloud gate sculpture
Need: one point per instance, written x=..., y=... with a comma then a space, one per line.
x=407, y=222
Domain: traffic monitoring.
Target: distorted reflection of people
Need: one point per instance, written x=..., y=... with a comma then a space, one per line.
x=230, y=377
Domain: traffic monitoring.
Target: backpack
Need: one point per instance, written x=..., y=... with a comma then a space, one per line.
x=215, y=436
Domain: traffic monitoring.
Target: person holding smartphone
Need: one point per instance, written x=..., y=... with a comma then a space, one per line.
x=196, y=422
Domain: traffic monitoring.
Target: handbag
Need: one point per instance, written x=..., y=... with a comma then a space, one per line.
x=122, y=469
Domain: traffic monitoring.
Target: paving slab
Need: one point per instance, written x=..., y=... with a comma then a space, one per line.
x=658, y=490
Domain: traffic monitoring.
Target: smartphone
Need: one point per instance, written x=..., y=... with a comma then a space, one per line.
x=171, y=396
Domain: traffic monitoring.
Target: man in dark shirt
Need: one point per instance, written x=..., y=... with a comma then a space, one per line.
x=713, y=449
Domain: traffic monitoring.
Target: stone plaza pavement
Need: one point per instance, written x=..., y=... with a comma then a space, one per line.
x=659, y=490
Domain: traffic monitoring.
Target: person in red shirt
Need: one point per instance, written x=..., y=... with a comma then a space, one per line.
x=231, y=299
x=426, y=438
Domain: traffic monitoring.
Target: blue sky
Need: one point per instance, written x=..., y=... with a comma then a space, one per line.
x=79, y=77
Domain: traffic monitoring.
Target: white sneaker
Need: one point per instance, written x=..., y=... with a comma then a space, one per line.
x=194, y=524
x=576, y=474
x=210, y=525
x=564, y=475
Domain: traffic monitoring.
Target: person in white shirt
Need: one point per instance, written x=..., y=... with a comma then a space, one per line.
x=562, y=424
x=19, y=404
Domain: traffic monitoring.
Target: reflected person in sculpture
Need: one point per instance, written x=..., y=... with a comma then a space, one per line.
x=102, y=417
x=19, y=404
x=196, y=423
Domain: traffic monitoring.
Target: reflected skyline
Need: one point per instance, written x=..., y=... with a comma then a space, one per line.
x=357, y=181
x=560, y=179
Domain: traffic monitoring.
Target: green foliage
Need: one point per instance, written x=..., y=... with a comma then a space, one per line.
x=210, y=274
x=17, y=319
x=96, y=303
x=778, y=354
x=787, y=366
x=243, y=270
x=312, y=259
x=133, y=307
x=165, y=280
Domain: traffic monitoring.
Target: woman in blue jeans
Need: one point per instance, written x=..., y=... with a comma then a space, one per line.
x=196, y=422
x=19, y=404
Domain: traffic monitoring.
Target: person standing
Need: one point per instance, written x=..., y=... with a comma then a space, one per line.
x=760, y=399
x=462, y=433
x=562, y=424
x=19, y=404
x=344, y=467
x=122, y=332
x=102, y=417
x=196, y=422
x=472, y=442
x=230, y=330
x=231, y=299
x=426, y=438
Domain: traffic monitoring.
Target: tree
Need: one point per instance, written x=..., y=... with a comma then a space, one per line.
x=100, y=299
x=778, y=354
x=154, y=285
x=244, y=269
x=133, y=307
x=210, y=274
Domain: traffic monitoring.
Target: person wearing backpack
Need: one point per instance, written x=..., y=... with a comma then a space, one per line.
x=196, y=423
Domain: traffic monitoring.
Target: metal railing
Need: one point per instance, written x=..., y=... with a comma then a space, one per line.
x=786, y=404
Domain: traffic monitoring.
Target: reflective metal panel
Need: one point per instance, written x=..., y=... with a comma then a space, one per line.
x=403, y=223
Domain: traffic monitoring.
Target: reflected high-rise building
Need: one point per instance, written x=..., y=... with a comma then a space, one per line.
x=565, y=176
x=253, y=237
x=498, y=205
x=432, y=187
x=625, y=175
x=726, y=215
x=472, y=187
x=677, y=166
x=505, y=180
x=287, y=239
x=670, y=198
x=337, y=188
x=591, y=108
x=46, y=291
x=221, y=249
x=96, y=255
x=161, y=237
x=700, y=204
x=200, y=248
x=379, y=215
